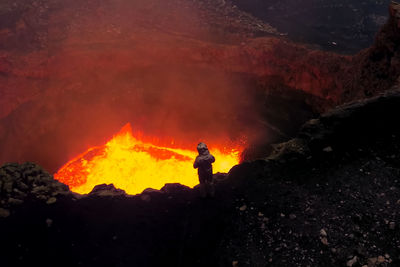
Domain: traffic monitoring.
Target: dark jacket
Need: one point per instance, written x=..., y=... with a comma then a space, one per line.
x=203, y=163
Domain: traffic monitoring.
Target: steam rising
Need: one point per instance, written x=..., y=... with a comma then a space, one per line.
x=108, y=63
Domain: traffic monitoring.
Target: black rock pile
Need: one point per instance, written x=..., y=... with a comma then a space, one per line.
x=27, y=181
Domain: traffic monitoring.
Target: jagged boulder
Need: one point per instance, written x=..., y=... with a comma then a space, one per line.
x=104, y=190
x=174, y=188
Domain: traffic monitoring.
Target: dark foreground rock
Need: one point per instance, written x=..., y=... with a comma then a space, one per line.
x=27, y=182
x=330, y=197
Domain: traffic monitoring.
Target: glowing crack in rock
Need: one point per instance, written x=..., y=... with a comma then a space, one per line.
x=134, y=165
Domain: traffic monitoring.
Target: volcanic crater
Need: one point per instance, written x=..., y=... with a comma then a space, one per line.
x=317, y=182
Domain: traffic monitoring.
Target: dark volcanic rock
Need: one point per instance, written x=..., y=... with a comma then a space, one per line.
x=105, y=190
x=345, y=127
x=28, y=182
x=174, y=188
x=377, y=68
x=336, y=25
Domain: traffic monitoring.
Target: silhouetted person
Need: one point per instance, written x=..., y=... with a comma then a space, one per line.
x=203, y=164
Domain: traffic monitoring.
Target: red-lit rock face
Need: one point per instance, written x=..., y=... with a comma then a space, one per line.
x=173, y=69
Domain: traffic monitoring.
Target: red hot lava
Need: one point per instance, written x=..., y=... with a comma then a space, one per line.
x=133, y=165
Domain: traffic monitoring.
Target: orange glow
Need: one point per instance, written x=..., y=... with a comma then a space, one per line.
x=134, y=165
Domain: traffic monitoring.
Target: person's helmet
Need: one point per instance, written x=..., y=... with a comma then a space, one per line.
x=201, y=147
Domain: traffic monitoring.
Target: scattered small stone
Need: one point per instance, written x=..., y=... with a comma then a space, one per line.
x=323, y=233
x=49, y=222
x=381, y=259
x=392, y=225
x=353, y=261
x=243, y=208
x=260, y=214
x=145, y=197
x=283, y=215
x=14, y=201
x=328, y=149
x=42, y=197
x=235, y=263
x=4, y=213
x=292, y=216
x=8, y=186
x=324, y=241
x=372, y=261
x=51, y=200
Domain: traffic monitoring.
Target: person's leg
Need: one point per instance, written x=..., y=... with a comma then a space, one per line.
x=212, y=188
x=203, y=190
x=210, y=185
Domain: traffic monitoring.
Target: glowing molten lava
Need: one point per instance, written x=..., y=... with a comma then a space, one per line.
x=134, y=165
